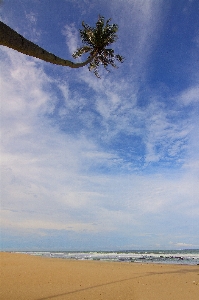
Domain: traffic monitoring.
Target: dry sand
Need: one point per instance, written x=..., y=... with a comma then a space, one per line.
x=27, y=277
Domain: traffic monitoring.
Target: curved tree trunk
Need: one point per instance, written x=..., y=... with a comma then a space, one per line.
x=10, y=38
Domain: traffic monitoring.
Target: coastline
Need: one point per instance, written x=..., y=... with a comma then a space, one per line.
x=30, y=277
x=186, y=256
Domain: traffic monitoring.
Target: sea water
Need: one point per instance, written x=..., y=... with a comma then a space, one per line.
x=187, y=257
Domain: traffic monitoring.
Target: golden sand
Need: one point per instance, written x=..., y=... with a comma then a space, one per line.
x=26, y=277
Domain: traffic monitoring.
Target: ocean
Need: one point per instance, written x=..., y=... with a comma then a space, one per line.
x=184, y=257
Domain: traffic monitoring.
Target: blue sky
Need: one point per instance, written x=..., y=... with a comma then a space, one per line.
x=101, y=164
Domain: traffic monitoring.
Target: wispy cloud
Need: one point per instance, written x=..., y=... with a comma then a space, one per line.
x=162, y=130
x=72, y=38
x=142, y=20
x=189, y=96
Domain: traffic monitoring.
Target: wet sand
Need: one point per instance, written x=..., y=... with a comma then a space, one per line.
x=26, y=277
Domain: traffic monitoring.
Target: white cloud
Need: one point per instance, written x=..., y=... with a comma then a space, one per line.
x=72, y=38
x=32, y=18
x=190, y=95
x=182, y=245
x=32, y=32
x=163, y=131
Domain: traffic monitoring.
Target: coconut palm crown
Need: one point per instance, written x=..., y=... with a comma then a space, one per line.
x=96, y=40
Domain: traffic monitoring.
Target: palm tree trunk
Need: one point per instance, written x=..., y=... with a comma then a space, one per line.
x=10, y=38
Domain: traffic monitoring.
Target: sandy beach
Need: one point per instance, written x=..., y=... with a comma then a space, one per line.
x=27, y=277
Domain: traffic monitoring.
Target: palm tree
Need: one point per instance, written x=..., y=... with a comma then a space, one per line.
x=95, y=41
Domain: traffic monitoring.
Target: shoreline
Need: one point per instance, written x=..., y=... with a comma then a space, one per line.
x=103, y=260
x=25, y=276
x=177, y=257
